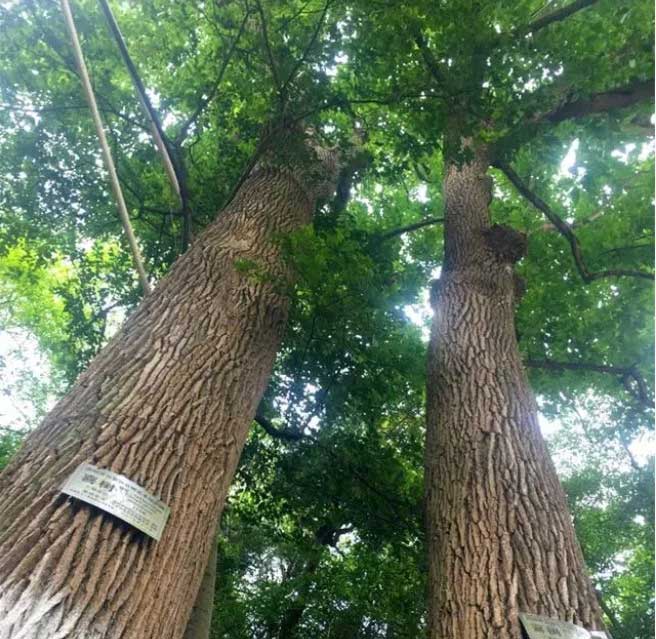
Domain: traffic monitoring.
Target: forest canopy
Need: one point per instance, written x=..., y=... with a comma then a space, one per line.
x=323, y=533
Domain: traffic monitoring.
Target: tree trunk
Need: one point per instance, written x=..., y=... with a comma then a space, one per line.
x=167, y=403
x=293, y=614
x=500, y=537
x=200, y=619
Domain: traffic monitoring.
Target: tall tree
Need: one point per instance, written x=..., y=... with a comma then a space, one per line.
x=500, y=537
x=168, y=404
x=228, y=298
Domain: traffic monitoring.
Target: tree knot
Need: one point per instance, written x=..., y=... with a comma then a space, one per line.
x=506, y=243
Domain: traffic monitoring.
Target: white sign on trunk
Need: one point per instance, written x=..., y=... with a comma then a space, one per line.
x=119, y=496
x=538, y=627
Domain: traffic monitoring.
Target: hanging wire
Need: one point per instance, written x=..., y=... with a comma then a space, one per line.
x=155, y=126
x=106, y=153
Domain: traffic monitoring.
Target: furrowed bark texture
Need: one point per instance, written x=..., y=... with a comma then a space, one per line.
x=500, y=537
x=168, y=404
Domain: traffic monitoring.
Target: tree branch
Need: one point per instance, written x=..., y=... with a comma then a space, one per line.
x=159, y=136
x=616, y=98
x=631, y=247
x=572, y=109
x=410, y=227
x=566, y=231
x=286, y=434
x=429, y=58
x=171, y=153
x=627, y=374
x=603, y=604
x=308, y=48
x=15, y=431
x=558, y=15
x=203, y=102
x=595, y=216
x=354, y=469
x=267, y=47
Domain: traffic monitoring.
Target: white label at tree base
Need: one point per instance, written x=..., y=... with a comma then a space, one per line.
x=119, y=496
x=538, y=627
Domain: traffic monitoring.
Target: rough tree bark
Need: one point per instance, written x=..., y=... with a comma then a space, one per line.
x=168, y=404
x=500, y=537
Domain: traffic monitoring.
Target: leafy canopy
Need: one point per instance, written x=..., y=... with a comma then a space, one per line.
x=323, y=531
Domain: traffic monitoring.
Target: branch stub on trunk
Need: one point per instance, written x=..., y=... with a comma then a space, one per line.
x=506, y=243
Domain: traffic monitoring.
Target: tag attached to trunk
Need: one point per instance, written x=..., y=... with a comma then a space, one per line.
x=538, y=627
x=119, y=496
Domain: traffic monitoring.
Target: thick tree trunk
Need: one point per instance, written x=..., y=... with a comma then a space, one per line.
x=168, y=404
x=500, y=537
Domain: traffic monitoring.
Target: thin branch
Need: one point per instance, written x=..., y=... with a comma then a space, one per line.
x=429, y=58
x=294, y=435
x=267, y=47
x=575, y=225
x=579, y=366
x=616, y=98
x=308, y=48
x=566, y=231
x=347, y=103
x=558, y=15
x=286, y=434
x=250, y=165
x=104, y=106
x=204, y=101
x=410, y=227
x=16, y=431
x=630, y=376
x=632, y=247
x=33, y=110
x=632, y=460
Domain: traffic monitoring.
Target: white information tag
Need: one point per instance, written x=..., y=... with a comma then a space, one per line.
x=539, y=627
x=119, y=496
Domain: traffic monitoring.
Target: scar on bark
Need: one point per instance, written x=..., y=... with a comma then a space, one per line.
x=506, y=243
